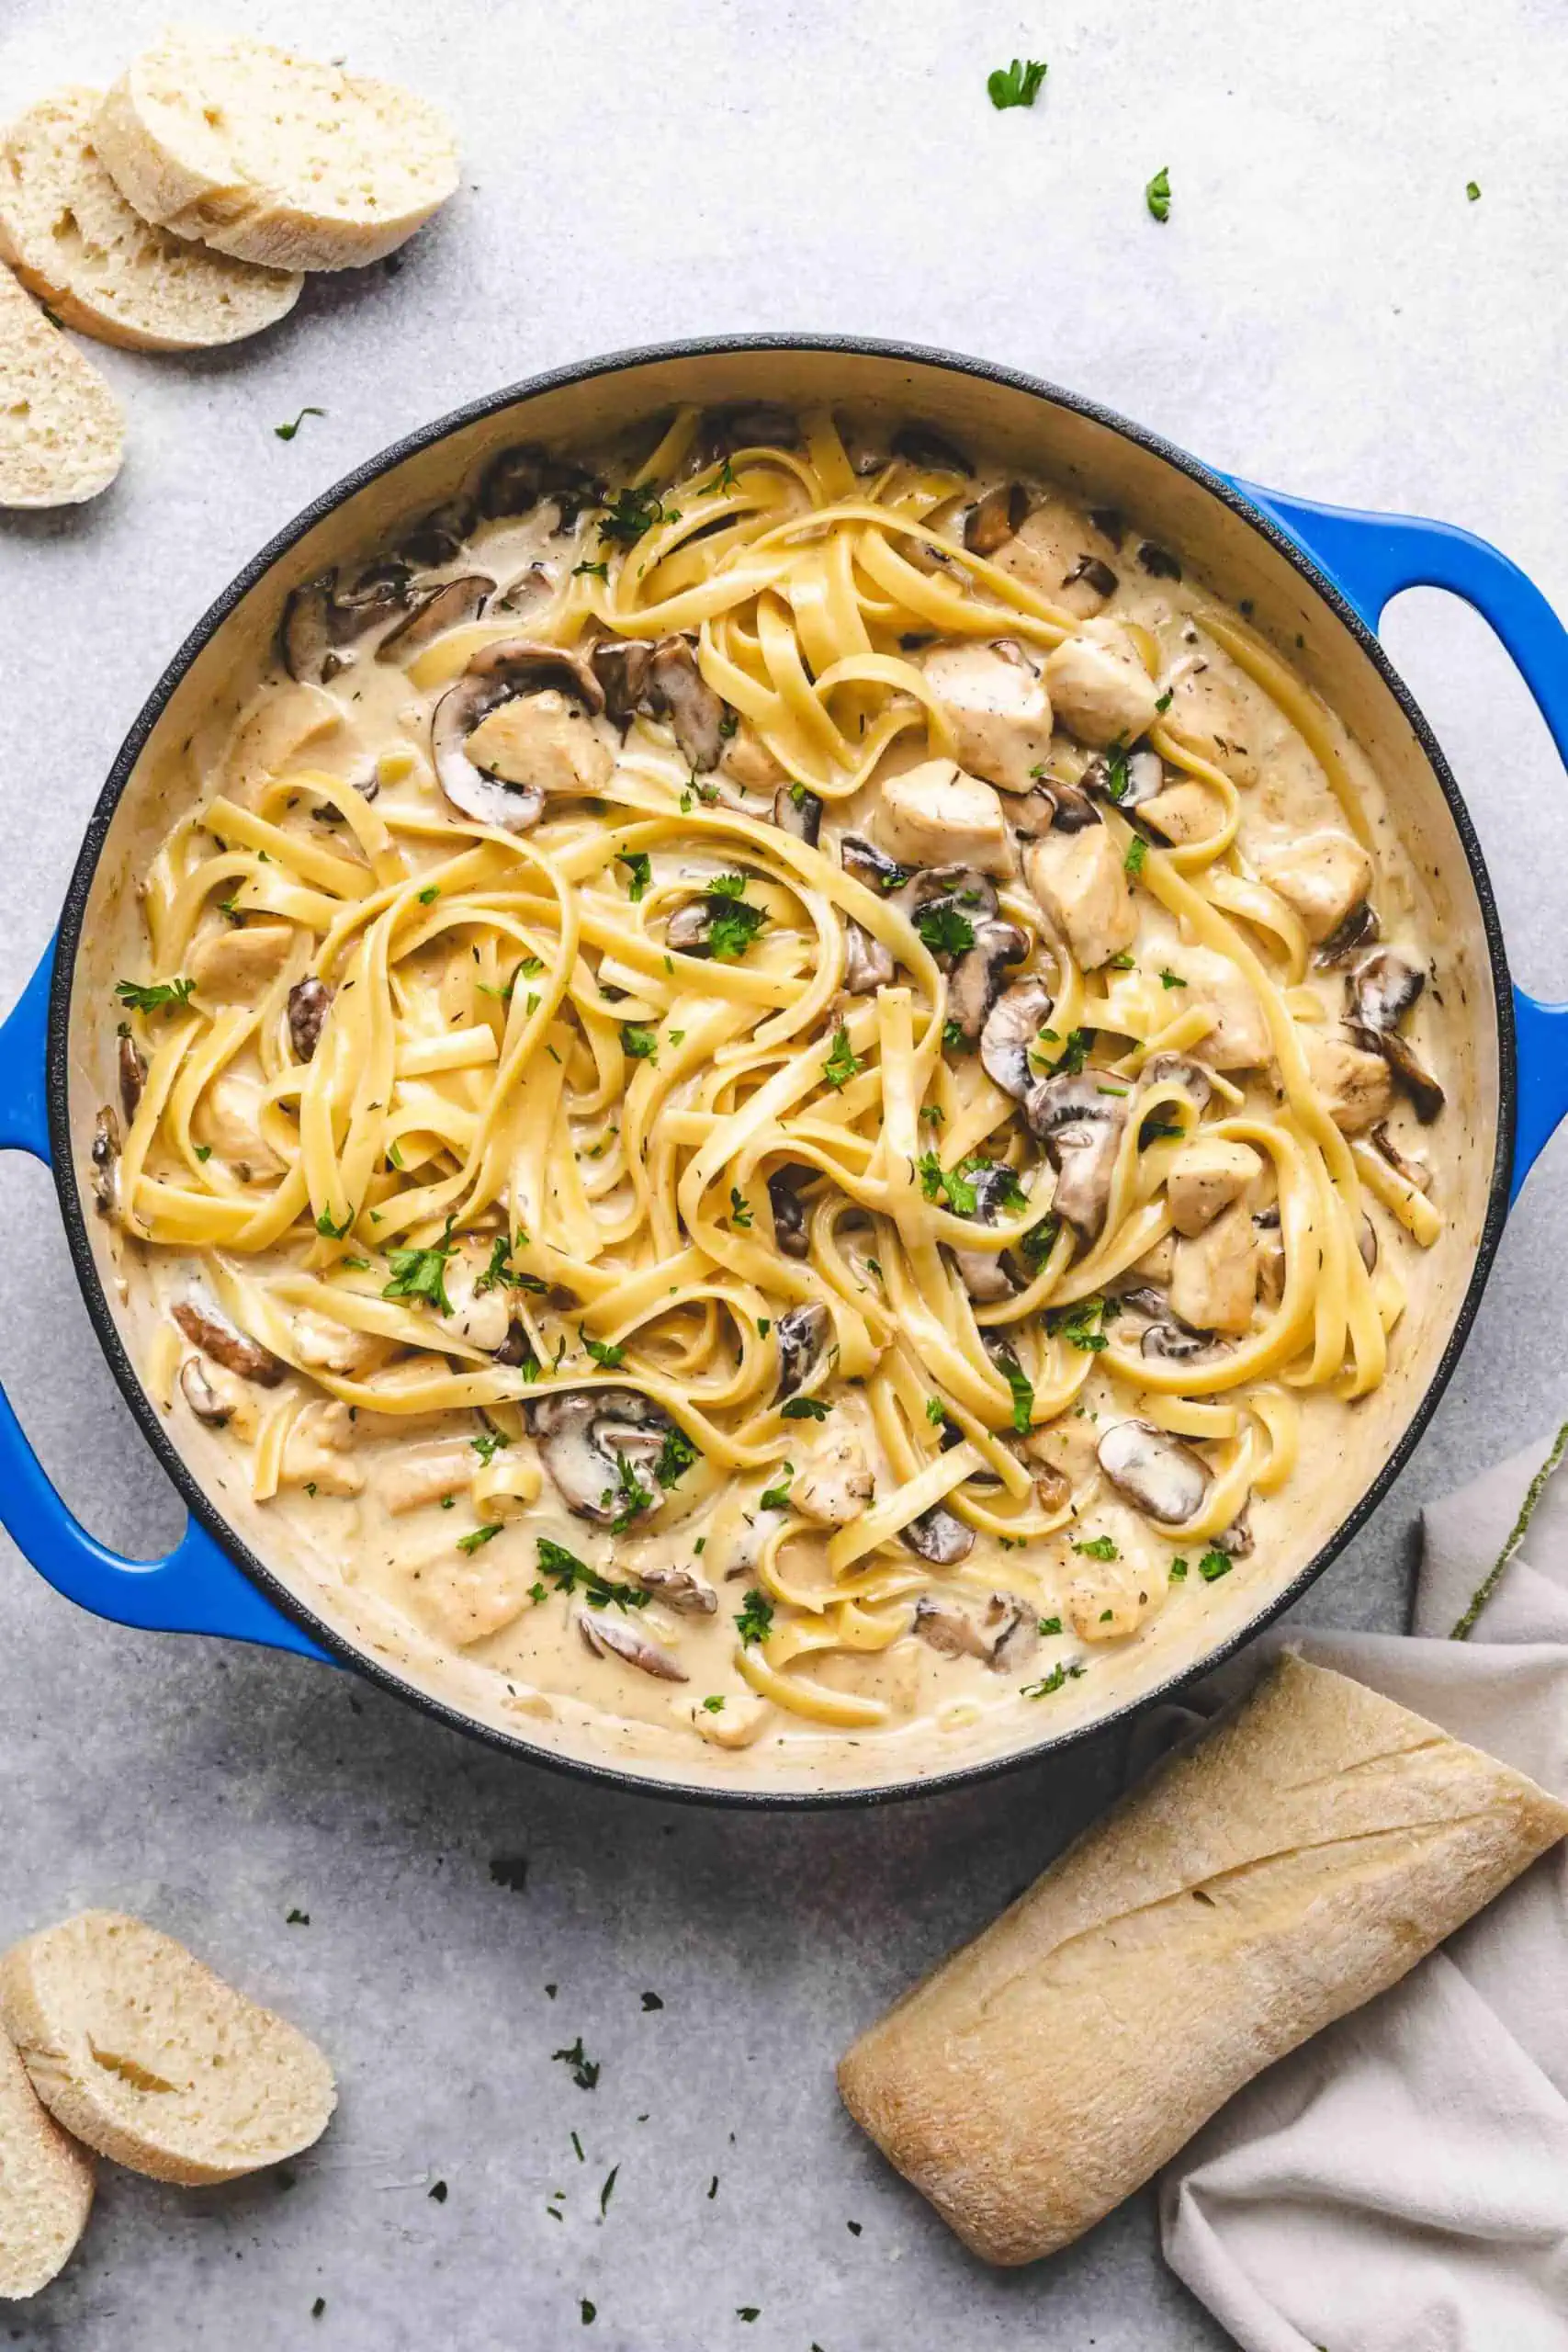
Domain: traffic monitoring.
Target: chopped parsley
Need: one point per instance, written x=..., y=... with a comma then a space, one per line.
x=1171, y=980
x=946, y=931
x=324, y=1225
x=204, y=1151
x=477, y=1535
x=584, y=2070
x=954, y=1038
x=605, y=1352
x=936, y=1411
x=1082, y=1325
x=428, y=897
x=1017, y=85
x=804, y=1408
x=1036, y=1245
x=754, y=1618
x=1137, y=850
x=1473, y=190
x=649, y=2000
x=641, y=866
x=640, y=1045
x=421, y=1273
x=1156, y=196
x=1023, y=1390
x=1214, y=1565
x=1118, y=776
x=842, y=1063
x=1178, y=1572
x=1074, y=1053
x=1050, y=1624
x=1099, y=1548
x=153, y=999
x=596, y=570
x=713, y=1706
x=777, y=1498
x=675, y=1459
x=1048, y=1683
x=286, y=432
x=1163, y=702
x=489, y=1445
x=501, y=1270
x=633, y=1495
x=569, y=1574
x=629, y=515
x=739, y=1209
x=734, y=924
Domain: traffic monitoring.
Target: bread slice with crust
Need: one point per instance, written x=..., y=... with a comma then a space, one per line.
x=46, y=2185
x=152, y=2060
x=271, y=157
x=70, y=235
x=62, y=432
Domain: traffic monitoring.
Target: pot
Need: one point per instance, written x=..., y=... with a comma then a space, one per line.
x=1315, y=579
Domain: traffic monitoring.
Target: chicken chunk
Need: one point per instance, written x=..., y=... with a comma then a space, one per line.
x=545, y=741
x=1324, y=877
x=328, y=1346
x=1098, y=686
x=1239, y=1037
x=834, y=1483
x=424, y=1474
x=935, y=815
x=1105, y=1607
x=748, y=763
x=998, y=709
x=1188, y=812
x=1213, y=1281
x=471, y=1595
x=1206, y=1175
x=735, y=1721
x=1218, y=716
x=1356, y=1086
x=483, y=1317
x=316, y=1452
x=1080, y=885
x=234, y=965
x=226, y=1121
x=1055, y=551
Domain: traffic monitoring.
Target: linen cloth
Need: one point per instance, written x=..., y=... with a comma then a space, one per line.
x=1400, y=2183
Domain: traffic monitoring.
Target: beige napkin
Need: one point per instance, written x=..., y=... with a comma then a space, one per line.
x=1400, y=2184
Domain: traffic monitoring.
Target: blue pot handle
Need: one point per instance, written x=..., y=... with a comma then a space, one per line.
x=1371, y=557
x=195, y=1589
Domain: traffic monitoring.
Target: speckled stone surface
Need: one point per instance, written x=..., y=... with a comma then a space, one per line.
x=1325, y=312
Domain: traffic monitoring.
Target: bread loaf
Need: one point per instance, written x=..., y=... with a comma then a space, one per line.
x=1298, y=1859
x=62, y=434
x=152, y=2060
x=46, y=2185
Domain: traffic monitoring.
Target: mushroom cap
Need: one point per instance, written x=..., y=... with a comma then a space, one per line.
x=868, y=965
x=585, y=1434
x=871, y=865
x=801, y=1333
x=978, y=975
x=513, y=666
x=1381, y=989
x=1010, y=1028
x=678, y=691
x=310, y=1001
x=798, y=811
x=435, y=610
x=1081, y=1129
x=1153, y=1471
x=609, y=1636
x=319, y=618
x=996, y=519
x=939, y=1536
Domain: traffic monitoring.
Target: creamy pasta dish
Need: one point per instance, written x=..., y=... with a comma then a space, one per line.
x=779, y=1085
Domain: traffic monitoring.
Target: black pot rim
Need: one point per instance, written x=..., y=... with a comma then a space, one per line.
x=73, y=915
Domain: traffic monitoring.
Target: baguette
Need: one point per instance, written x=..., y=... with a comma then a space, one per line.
x=70, y=235
x=151, y=2059
x=62, y=432
x=1297, y=1860
x=270, y=157
x=46, y=2185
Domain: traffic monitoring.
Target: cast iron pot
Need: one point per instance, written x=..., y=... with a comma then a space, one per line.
x=1316, y=580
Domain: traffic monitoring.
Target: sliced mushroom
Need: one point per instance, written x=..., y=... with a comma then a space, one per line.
x=798, y=811
x=1367, y=1243
x=513, y=482
x=1380, y=990
x=1010, y=1028
x=513, y=666
x=1359, y=929
x=1156, y=1472
x=871, y=865
x=1126, y=783
x=1095, y=573
x=228, y=1347
x=309, y=1003
x=1237, y=1541
x=977, y=974
x=682, y=1590
x=789, y=1216
x=319, y=619
x=939, y=1537
x=868, y=965
x=996, y=519
x=132, y=1075
x=614, y=1638
x=931, y=889
x=447, y=605
x=200, y=1394
x=1414, y=1171
x=1070, y=808
x=1004, y=1637
x=802, y=1334
x=585, y=1435
x=1080, y=1127
x=679, y=692
x=755, y=424
x=438, y=537
x=924, y=447
x=1163, y=1069
x=989, y=1275
x=620, y=664
x=1174, y=1341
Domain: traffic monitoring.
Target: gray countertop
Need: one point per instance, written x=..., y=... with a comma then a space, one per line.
x=1325, y=312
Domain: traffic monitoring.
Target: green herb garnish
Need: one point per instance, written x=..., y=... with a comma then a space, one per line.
x=640, y=1045
x=754, y=1618
x=477, y=1535
x=584, y=2074
x=946, y=931
x=739, y=1209
x=804, y=1408
x=629, y=515
x=1017, y=85
x=286, y=432
x=842, y=1063
x=1099, y=1548
x=569, y=1574
x=1023, y=1390
x=777, y=1498
x=421, y=1273
x=155, y=998
x=641, y=868
x=676, y=1457
x=1214, y=1565
x=1156, y=196
x=605, y=1352
x=1048, y=1683
x=1137, y=850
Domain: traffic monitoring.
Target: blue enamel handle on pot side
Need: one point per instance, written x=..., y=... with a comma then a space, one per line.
x=196, y=1589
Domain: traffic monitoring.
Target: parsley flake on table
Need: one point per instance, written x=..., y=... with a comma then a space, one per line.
x=608, y=2190
x=652, y=2001
x=584, y=2070
x=437, y=2192
x=510, y=1871
x=286, y=432
x=1472, y=191
x=1017, y=85
x=1156, y=196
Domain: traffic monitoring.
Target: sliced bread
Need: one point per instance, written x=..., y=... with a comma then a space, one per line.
x=68, y=232
x=147, y=2057
x=62, y=434
x=46, y=2185
x=273, y=158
